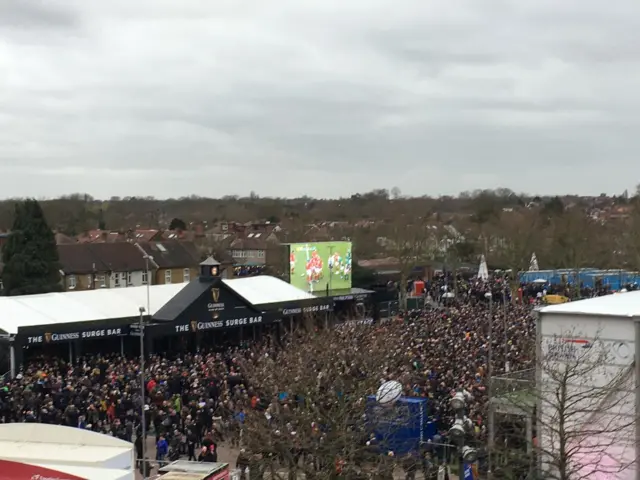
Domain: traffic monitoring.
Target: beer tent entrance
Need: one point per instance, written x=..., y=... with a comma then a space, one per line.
x=215, y=312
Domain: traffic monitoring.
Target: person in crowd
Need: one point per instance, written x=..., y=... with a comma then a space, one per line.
x=196, y=400
x=162, y=449
x=242, y=463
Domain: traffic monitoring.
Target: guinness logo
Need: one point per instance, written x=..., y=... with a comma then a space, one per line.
x=215, y=294
x=47, y=337
x=194, y=326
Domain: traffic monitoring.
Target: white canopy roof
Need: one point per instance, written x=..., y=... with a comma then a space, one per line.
x=89, y=305
x=264, y=289
x=616, y=305
x=89, y=472
x=55, y=444
x=59, y=434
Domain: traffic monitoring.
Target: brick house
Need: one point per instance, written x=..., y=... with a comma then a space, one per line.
x=87, y=266
x=252, y=249
x=174, y=261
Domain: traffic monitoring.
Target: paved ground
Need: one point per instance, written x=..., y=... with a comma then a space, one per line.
x=227, y=454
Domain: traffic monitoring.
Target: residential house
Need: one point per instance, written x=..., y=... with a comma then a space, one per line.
x=174, y=261
x=224, y=230
x=252, y=249
x=4, y=237
x=114, y=236
x=264, y=227
x=61, y=238
x=87, y=266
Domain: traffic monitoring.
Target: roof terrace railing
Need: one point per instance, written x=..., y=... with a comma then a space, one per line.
x=514, y=382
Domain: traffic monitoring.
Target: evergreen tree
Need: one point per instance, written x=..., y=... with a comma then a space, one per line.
x=177, y=224
x=30, y=256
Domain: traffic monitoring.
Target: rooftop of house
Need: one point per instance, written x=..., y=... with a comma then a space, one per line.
x=257, y=241
x=113, y=236
x=172, y=253
x=86, y=258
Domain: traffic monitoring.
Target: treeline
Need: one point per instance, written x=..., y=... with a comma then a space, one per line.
x=74, y=214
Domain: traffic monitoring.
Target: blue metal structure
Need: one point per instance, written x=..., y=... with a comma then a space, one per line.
x=400, y=428
x=588, y=277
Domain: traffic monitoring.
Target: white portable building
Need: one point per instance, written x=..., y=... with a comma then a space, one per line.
x=37, y=443
x=591, y=346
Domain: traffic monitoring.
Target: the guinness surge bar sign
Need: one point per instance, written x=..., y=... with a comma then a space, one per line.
x=52, y=337
x=195, y=326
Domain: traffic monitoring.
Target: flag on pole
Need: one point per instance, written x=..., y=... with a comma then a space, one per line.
x=483, y=271
x=533, y=264
x=470, y=472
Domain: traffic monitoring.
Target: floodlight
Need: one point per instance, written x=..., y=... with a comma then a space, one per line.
x=468, y=424
x=467, y=396
x=469, y=455
x=457, y=431
x=458, y=401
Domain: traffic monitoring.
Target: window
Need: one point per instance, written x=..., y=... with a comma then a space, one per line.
x=89, y=281
x=236, y=253
x=167, y=276
x=186, y=275
x=101, y=281
x=129, y=278
x=116, y=279
x=260, y=253
x=1, y=285
x=145, y=277
x=72, y=282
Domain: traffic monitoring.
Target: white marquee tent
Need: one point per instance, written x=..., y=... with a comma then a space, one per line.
x=85, y=306
x=264, y=289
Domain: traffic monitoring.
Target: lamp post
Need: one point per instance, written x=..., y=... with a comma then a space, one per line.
x=489, y=295
x=143, y=425
x=507, y=366
x=461, y=427
x=148, y=258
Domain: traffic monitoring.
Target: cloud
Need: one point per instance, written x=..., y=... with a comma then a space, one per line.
x=318, y=97
x=36, y=14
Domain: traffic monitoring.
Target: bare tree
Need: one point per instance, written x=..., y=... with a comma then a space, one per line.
x=409, y=240
x=584, y=398
x=576, y=241
x=519, y=235
x=317, y=395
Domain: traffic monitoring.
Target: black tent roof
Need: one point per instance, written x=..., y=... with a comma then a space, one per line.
x=183, y=300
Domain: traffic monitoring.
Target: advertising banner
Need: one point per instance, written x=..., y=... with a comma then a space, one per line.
x=94, y=333
x=23, y=471
x=196, y=326
x=315, y=266
x=402, y=427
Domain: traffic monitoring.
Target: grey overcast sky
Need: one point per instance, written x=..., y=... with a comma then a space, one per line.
x=318, y=97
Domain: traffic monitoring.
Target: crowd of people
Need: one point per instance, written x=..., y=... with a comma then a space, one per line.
x=194, y=401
